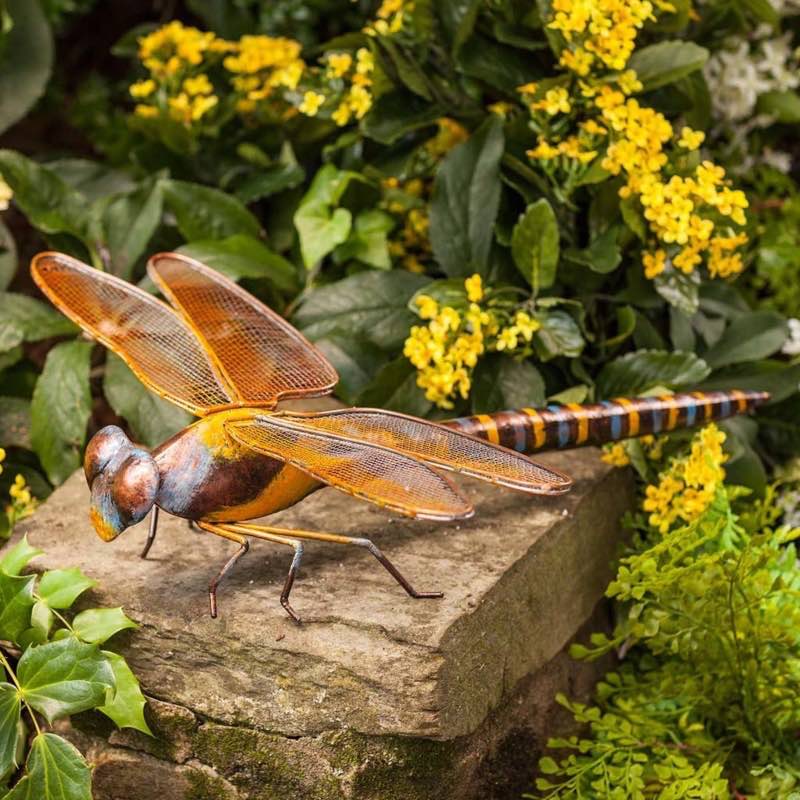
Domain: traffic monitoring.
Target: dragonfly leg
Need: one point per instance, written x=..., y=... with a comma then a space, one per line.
x=244, y=546
x=151, y=532
x=262, y=531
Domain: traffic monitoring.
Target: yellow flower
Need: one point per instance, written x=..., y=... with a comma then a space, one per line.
x=342, y=114
x=144, y=111
x=543, y=151
x=474, y=287
x=142, y=89
x=199, y=84
x=554, y=101
x=616, y=454
x=654, y=263
x=690, y=139
x=578, y=61
x=528, y=88
x=428, y=307
x=338, y=64
x=6, y=193
x=311, y=103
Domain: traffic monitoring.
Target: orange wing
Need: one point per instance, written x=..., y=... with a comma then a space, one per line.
x=439, y=446
x=260, y=355
x=366, y=470
x=146, y=333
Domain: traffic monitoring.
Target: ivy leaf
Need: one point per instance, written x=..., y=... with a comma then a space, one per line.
x=41, y=621
x=501, y=383
x=64, y=677
x=16, y=602
x=55, y=770
x=372, y=305
x=9, y=728
x=205, y=213
x=50, y=205
x=97, y=625
x=152, y=419
x=26, y=60
x=637, y=372
x=535, y=244
x=242, y=256
x=129, y=222
x=59, y=588
x=665, y=62
x=749, y=337
x=127, y=707
x=35, y=320
x=60, y=409
x=16, y=558
x=465, y=201
x=367, y=242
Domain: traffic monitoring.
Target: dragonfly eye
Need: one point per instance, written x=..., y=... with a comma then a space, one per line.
x=105, y=444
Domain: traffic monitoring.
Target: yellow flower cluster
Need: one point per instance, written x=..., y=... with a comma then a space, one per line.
x=355, y=75
x=389, y=17
x=599, y=30
x=618, y=455
x=447, y=349
x=261, y=65
x=686, y=489
x=22, y=502
x=690, y=211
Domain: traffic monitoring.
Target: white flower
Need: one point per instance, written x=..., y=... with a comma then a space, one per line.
x=5, y=195
x=778, y=159
x=791, y=347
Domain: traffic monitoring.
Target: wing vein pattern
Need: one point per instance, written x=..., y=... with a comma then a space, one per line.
x=439, y=446
x=262, y=357
x=366, y=470
x=146, y=333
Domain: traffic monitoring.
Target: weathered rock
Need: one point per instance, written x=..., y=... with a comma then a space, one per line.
x=377, y=695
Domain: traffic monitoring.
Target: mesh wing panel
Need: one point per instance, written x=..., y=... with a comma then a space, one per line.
x=146, y=333
x=372, y=473
x=261, y=355
x=439, y=446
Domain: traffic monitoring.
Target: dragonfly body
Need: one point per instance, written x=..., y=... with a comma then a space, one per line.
x=218, y=352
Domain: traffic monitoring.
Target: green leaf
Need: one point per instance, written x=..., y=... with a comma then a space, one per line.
x=152, y=419
x=368, y=240
x=749, y=337
x=126, y=709
x=34, y=319
x=602, y=255
x=784, y=106
x=499, y=66
x=535, y=244
x=10, y=335
x=458, y=19
x=50, y=205
x=371, y=304
x=205, y=213
x=665, y=62
x=16, y=558
x=9, y=728
x=242, y=256
x=635, y=373
x=559, y=335
x=16, y=602
x=772, y=376
x=269, y=181
x=355, y=359
x=26, y=60
x=397, y=113
x=679, y=290
x=8, y=256
x=502, y=383
x=129, y=222
x=42, y=618
x=97, y=625
x=15, y=422
x=465, y=201
x=60, y=409
x=55, y=770
x=64, y=677
x=320, y=225
x=395, y=389
x=59, y=588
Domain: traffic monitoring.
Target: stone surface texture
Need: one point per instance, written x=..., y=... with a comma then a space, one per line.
x=376, y=695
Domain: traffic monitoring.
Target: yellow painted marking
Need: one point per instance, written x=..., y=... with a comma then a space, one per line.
x=633, y=415
x=705, y=401
x=490, y=426
x=583, y=421
x=538, y=427
x=740, y=398
x=669, y=401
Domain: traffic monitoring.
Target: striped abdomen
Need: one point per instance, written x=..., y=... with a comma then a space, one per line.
x=572, y=425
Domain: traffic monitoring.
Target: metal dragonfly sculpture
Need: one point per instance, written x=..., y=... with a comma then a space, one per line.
x=228, y=359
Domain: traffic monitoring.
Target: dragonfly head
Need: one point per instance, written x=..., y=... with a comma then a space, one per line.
x=124, y=481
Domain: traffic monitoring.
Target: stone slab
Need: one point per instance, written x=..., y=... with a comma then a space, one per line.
x=519, y=579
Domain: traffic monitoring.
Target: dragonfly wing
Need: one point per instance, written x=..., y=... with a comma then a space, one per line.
x=384, y=477
x=261, y=355
x=439, y=446
x=147, y=334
